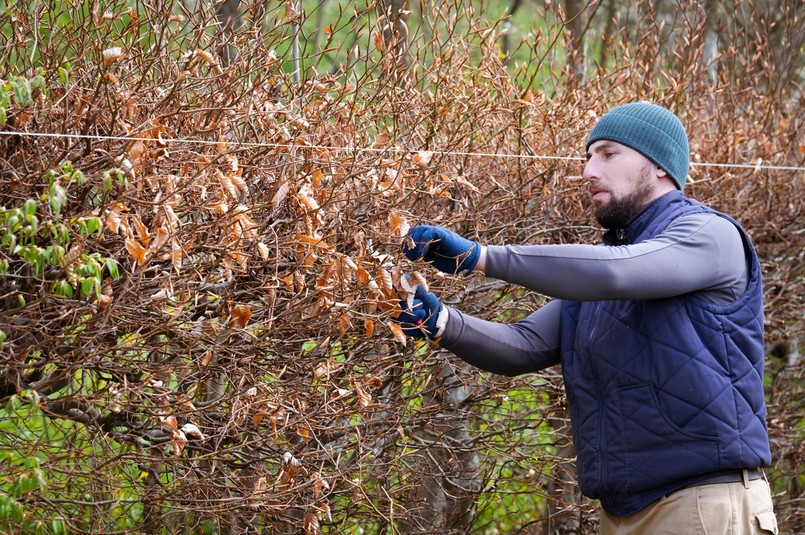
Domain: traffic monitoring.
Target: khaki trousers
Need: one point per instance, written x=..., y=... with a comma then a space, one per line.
x=742, y=508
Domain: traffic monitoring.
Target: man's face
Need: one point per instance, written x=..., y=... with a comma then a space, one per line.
x=622, y=182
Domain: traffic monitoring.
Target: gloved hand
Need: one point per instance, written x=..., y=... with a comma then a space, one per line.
x=419, y=321
x=449, y=252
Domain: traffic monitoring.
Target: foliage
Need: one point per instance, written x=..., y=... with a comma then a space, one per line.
x=200, y=232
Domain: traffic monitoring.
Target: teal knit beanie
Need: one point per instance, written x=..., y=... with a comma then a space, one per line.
x=651, y=130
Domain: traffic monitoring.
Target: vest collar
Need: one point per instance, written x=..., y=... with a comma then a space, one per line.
x=632, y=232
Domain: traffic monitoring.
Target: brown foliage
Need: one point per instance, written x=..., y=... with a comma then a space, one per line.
x=243, y=365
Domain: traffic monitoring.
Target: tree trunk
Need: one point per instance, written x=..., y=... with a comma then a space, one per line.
x=230, y=19
x=449, y=467
x=393, y=23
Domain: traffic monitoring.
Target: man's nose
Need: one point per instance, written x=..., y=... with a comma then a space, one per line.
x=590, y=172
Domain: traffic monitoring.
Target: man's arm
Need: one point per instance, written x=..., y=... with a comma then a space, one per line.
x=697, y=253
x=512, y=349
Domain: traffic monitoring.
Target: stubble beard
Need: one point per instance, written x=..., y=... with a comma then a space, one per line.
x=617, y=213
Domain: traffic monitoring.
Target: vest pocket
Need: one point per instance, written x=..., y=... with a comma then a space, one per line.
x=655, y=450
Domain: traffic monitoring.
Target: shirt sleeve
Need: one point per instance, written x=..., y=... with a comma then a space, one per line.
x=697, y=253
x=526, y=346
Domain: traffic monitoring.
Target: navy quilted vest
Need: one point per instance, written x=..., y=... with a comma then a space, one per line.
x=664, y=392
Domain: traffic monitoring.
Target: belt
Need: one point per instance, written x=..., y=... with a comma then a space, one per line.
x=732, y=476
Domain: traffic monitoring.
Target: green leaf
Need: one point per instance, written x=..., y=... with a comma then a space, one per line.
x=29, y=208
x=37, y=82
x=61, y=234
x=57, y=198
x=92, y=268
x=94, y=226
x=57, y=527
x=64, y=76
x=62, y=288
x=86, y=286
x=113, y=268
x=22, y=92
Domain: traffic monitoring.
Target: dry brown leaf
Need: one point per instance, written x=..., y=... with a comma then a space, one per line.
x=377, y=38
x=178, y=442
x=369, y=327
x=385, y=281
x=306, y=198
x=239, y=183
x=404, y=285
x=219, y=207
x=319, y=485
x=317, y=177
x=192, y=430
x=364, y=397
x=161, y=238
x=135, y=151
x=290, y=10
x=312, y=240
x=72, y=256
x=177, y=255
x=422, y=158
x=104, y=301
x=170, y=421
x=312, y=523
x=418, y=278
x=344, y=324
x=111, y=55
x=210, y=60
x=463, y=181
x=281, y=193
x=382, y=140
x=142, y=231
x=290, y=467
x=136, y=250
x=229, y=187
x=262, y=248
x=398, y=333
x=243, y=226
x=362, y=276
x=399, y=224
x=240, y=315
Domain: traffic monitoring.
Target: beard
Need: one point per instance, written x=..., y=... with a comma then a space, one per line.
x=619, y=212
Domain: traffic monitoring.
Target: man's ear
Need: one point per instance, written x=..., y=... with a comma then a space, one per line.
x=667, y=183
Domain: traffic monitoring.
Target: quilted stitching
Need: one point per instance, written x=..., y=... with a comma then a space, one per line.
x=663, y=390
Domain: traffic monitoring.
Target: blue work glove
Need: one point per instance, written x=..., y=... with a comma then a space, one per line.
x=449, y=252
x=419, y=321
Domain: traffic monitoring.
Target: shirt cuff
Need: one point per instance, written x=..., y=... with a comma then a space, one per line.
x=441, y=322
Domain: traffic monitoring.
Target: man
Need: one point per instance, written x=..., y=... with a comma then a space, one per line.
x=659, y=333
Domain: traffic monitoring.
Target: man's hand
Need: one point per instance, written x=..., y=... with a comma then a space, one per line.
x=449, y=252
x=419, y=321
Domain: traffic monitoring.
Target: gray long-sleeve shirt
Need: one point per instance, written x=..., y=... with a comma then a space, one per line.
x=699, y=254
